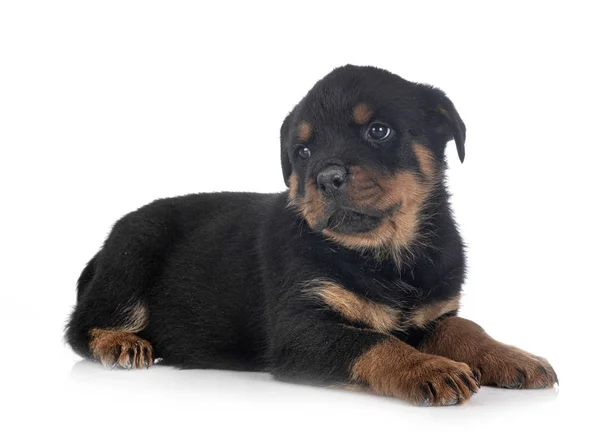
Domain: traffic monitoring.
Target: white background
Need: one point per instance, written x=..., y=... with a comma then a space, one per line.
x=105, y=106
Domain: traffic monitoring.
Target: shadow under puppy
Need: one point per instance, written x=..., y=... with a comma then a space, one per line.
x=351, y=277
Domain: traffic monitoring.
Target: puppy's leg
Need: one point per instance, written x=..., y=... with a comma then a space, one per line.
x=103, y=327
x=498, y=364
x=111, y=306
x=329, y=353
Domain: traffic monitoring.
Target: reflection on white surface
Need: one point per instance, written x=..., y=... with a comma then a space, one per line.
x=253, y=406
x=261, y=386
x=84, y=400
x=167, y=379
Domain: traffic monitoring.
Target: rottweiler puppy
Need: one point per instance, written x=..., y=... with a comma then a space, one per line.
x=352, y=277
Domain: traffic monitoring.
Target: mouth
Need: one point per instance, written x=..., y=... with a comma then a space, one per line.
x=346, y=220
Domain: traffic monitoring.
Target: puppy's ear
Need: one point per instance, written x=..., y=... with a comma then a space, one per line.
x=448, y=121
x=286, y=166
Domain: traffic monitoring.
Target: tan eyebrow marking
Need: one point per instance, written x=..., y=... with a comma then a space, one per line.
x=362, y=113
x=304, y=131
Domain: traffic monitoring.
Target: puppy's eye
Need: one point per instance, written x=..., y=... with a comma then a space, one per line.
x=379, y=132
x=303, y=152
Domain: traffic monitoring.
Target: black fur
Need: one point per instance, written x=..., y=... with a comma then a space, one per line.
x=224, y=275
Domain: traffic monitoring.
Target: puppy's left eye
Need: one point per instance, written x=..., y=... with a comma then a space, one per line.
x=379, y=132
x=303, y=152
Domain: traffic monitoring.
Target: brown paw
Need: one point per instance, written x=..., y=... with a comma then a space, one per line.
x=437, y=381
x=392, y=368
x=512, y=368
x=114, y=348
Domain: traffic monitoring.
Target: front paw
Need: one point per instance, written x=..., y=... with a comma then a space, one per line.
x=512, y=368
x=392, y=368
x=441, y=382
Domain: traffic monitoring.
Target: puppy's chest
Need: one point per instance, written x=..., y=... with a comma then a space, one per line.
x=386, y=307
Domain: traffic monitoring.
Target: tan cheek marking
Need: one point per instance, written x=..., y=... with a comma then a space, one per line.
x=310, y=206
x=363, y=188
x=428, y=313
x=362, y=113
x=406, y=189
x=314, y=207
x=304, y=131
x=403, y=188
x=377, y=316
x=293, y=192
x=426, y=161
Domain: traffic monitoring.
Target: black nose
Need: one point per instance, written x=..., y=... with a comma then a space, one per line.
x=331, y=179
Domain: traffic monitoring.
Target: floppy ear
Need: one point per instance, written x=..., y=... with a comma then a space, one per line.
x=286, y=166
x=450, y=123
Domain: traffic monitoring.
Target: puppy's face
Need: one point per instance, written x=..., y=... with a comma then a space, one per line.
x=363, y=152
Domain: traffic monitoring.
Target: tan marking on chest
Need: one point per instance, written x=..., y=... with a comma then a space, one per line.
x=374, y=315
x=428, y=313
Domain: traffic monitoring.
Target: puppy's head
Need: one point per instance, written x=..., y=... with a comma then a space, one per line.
x=363, y=152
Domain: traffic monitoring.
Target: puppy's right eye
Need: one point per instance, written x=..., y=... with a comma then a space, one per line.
x=379, y=132
x=303, y=152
